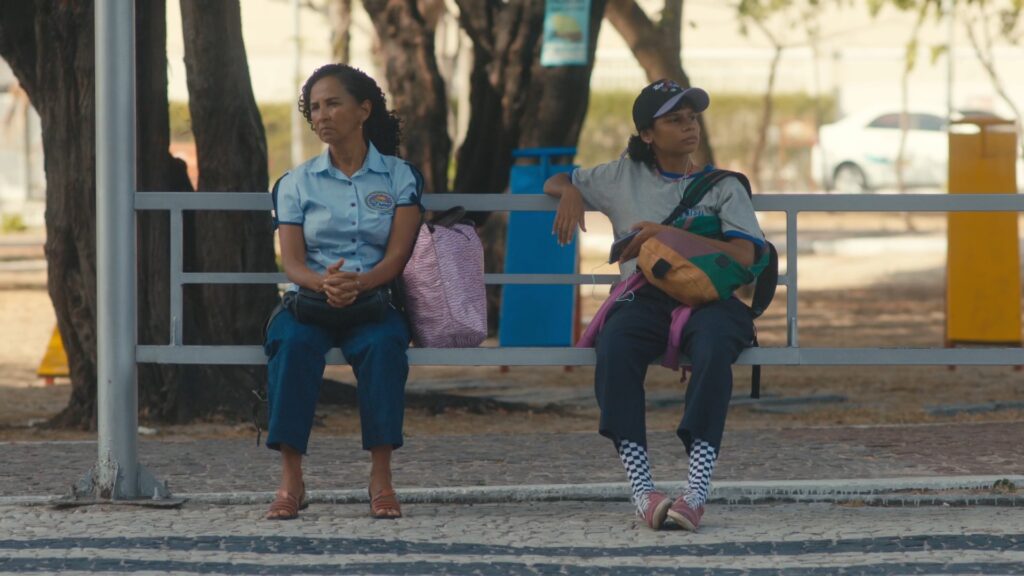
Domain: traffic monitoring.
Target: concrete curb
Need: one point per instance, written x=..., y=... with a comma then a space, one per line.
x=907, y=491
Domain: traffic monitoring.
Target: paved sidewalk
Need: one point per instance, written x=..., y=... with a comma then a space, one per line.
x=334, y=463
x=523, y=538
x=597, y=535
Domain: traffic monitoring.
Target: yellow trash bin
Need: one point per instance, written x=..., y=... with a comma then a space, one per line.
x=983, y=264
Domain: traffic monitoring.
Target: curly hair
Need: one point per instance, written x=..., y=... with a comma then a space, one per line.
x=640, y=151
x=383, y=128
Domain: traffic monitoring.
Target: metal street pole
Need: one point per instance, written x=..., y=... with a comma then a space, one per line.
x=117, y=475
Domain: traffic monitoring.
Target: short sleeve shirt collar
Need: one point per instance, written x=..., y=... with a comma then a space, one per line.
x=374, y=162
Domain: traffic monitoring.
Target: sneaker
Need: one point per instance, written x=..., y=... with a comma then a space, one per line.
x=657, y=507
x=686, y=517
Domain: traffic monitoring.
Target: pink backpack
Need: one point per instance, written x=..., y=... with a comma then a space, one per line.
x=443, y=284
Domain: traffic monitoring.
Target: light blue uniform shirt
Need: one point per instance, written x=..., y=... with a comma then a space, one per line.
x=344, y=217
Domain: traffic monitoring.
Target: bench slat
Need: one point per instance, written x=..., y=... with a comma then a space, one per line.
x=563, y=356
x=508, y=279
x=542, y=203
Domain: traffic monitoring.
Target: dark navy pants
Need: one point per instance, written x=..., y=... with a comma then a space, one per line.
x=377, y=353
x=636, y=333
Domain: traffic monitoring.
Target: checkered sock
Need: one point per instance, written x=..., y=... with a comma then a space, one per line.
x=638, y=468
x=702, y=464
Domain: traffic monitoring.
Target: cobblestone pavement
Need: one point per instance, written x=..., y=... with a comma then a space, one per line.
x=522, y=538
x=234, y=465
x=559, y=537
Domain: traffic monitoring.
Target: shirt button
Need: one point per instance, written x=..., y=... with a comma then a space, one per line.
x=352, y=204
x=359, y=269
x=353, y=239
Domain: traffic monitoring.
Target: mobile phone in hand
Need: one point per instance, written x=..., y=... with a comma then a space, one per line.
x=619, y=245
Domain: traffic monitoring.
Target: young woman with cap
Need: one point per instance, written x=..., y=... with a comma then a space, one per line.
x=636, y=192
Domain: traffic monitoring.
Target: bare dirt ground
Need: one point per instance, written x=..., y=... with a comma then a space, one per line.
x=848, y=296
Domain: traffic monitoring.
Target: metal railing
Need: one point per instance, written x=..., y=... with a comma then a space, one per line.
x=791, y=354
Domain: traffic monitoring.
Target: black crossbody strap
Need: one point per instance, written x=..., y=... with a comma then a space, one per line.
x=699, y=188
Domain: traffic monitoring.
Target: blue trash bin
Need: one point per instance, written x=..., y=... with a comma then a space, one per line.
x=537, y=315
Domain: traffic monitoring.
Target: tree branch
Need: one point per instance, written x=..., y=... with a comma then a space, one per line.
x=988, y=64
x=632, y=23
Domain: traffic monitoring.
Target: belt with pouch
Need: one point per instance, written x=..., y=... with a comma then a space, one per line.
x=309, y=307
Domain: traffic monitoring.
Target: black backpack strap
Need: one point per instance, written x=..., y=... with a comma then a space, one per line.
x=700, y=187
x=419, y=184
x=755, y=372
x=767, y=282
x=273, y=198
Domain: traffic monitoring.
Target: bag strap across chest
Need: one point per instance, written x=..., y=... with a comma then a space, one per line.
x=699, y=187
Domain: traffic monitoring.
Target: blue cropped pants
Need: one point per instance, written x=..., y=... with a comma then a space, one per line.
x=295, y=369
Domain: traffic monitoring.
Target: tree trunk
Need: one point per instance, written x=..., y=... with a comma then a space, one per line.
x=766, y=122
x=157, y=171
x=515, y=103
x=232, y=152
x=417, y=89
x=49, y=45
x=909, y=62
x=657, y=47
x=339, y=15
x=62, y=91
x=60, y=34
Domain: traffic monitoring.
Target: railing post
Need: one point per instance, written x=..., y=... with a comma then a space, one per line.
x=177, y=269
x=792, y=338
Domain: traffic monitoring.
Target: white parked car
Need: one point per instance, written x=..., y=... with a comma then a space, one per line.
x=858, y=153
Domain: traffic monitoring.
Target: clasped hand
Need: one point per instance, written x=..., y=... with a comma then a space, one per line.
x=341, y=288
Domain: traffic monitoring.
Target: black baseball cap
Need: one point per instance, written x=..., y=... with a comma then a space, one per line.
x=664, y=96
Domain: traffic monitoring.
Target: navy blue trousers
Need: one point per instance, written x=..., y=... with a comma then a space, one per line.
x=295, y=370
x=636, y=333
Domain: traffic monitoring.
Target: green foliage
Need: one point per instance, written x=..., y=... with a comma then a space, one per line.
x=733, y=121
x=11, y=223
x=1007, y=13
x=1004, y=486
x=181, y=122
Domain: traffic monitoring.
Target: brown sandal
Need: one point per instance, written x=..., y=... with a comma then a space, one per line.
x=286, y=506
x=384, y=501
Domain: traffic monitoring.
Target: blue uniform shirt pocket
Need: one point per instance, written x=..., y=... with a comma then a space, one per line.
x=378, y=209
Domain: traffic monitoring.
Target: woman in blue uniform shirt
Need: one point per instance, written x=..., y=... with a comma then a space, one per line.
x=348, y=221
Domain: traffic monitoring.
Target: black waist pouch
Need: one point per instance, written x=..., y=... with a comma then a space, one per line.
x=311, y=307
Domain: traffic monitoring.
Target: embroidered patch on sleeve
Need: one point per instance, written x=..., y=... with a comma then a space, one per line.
x=380, y=202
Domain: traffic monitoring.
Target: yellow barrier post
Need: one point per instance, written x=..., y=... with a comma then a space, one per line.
x=55, y=360
x=983, y=289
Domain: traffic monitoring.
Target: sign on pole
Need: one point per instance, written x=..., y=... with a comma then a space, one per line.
x=566, y=33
